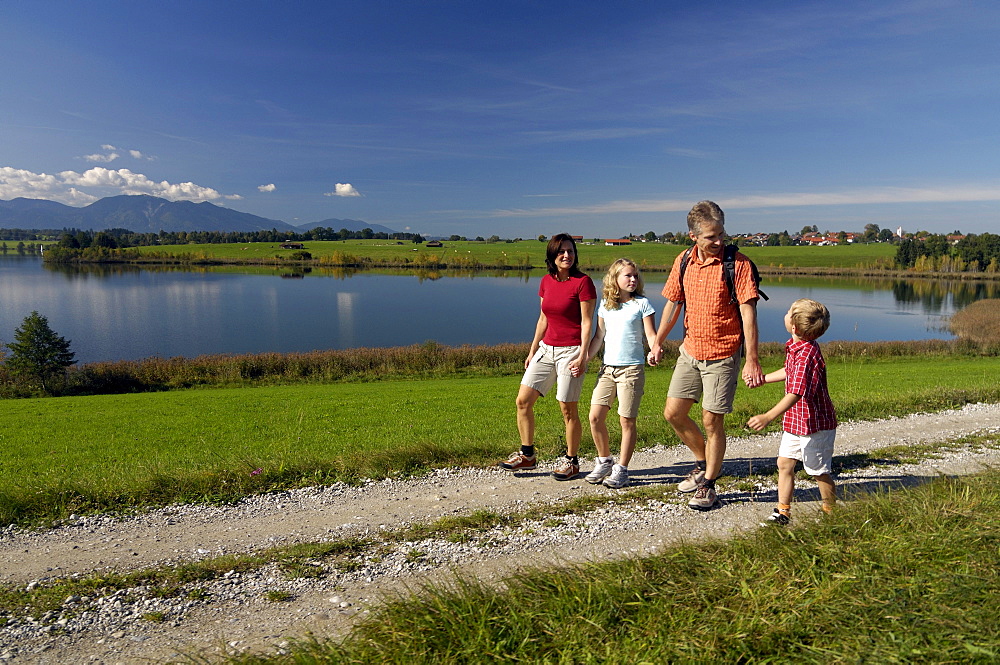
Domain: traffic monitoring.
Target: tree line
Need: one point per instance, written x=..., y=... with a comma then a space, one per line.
x=936, y=253
x=123, y=238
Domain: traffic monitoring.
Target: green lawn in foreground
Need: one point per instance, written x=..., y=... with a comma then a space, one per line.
x=532, y=252
x=911, y=576
x=73, y=454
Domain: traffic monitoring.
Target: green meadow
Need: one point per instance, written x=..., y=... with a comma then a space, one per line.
x=902, y=577
x=519, y=254
x=121, y=452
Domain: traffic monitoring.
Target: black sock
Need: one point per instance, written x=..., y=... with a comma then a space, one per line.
x=699, y=464
x=528, y=451
x=575, y=459
x=709, y=484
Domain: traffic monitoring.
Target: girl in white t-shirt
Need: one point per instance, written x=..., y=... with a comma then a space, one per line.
x=625, y=316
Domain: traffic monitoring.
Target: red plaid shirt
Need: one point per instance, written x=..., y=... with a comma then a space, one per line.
x=805, y=376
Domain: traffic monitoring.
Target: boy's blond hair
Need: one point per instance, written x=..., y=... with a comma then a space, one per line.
x=611, y=293
x=810, y=318
x=705, y=213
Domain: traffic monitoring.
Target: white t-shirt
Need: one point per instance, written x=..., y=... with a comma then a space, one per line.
x=624, y=333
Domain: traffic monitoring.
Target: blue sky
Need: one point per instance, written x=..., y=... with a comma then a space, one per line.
x=514, y=118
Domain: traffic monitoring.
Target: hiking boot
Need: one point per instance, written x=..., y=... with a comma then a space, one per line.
x=568, y=471
x=618, y=478
x=704, y=498
x=693, y=480
x=518, y=462
x=601, y=471
x=777, y=518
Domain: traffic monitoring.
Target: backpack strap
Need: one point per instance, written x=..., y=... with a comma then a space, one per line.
x=729, y=271
x=684, y=266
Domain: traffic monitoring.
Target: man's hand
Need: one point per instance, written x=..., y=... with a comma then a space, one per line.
x=753, y=375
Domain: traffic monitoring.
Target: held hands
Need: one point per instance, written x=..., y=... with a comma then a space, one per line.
x=752, y=375
x=654, y=356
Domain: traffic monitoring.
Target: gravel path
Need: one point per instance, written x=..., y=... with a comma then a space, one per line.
x=233, y=614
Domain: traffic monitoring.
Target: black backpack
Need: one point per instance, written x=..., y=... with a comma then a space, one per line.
x=728, y=271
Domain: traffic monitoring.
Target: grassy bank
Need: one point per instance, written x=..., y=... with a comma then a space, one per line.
x=903, y=577
x=116, y=452
x=520, y=254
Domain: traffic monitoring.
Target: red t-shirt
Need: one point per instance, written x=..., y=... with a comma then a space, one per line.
x=805, y=376
x=561, y=307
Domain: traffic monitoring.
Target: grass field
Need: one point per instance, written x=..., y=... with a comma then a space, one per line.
x=82, y=454
x=524, y=253
x=903, y=577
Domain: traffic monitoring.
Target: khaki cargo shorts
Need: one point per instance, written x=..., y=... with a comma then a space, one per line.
x=713, y=382
x=627, y=383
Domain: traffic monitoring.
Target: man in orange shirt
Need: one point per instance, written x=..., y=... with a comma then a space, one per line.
x=716, y=329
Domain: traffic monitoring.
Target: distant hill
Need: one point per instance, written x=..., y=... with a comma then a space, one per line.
x=349, y=224
x=149, y=214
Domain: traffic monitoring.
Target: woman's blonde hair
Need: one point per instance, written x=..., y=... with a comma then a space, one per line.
x=611, y=293
x=810, y=318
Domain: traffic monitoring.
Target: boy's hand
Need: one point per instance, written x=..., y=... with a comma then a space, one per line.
x=758, y=422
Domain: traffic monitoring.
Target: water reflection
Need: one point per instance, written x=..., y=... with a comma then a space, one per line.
x=125, y=312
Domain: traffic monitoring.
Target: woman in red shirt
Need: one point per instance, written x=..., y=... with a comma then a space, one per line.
x=558, y=354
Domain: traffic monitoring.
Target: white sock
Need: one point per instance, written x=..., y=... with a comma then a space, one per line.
x=605, y=460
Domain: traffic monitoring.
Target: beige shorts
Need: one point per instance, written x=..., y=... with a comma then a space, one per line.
x=550, y=365
x=711, y=381
x=815, y=451
x=627, y=383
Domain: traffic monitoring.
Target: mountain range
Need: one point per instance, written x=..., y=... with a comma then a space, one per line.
x=149, y=214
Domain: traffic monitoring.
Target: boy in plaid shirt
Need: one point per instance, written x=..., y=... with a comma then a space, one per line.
x=810, y=423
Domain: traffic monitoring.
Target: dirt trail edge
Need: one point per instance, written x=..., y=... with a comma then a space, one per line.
x=243, y=611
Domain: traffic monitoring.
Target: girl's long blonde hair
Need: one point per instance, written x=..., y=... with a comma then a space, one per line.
x=611, y=293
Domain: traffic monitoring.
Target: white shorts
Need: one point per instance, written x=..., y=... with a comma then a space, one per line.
x=814, y=451
x=550, y=365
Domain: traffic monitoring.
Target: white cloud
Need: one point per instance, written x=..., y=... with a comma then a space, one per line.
x=107, y=146
x=137, y=154
x=343, y=189
x=101, y=159
x=267, y=188
x=947, y=194
x=71, y=187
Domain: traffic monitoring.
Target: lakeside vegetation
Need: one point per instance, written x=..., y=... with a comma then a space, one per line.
x=968, y=261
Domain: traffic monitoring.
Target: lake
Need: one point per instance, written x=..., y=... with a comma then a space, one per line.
x=126, y=313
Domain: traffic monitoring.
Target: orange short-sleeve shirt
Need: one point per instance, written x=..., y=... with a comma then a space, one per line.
x=712, y=327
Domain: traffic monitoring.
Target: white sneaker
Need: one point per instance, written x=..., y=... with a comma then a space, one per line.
x=618, y=477
x=601, y=471
x=693, y=481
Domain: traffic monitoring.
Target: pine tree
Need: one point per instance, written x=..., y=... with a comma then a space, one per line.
x=37, y=352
